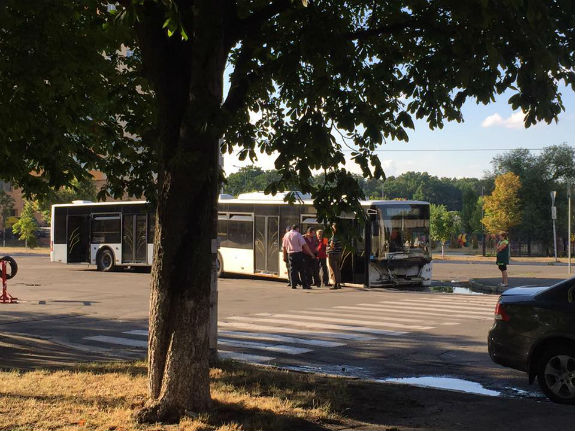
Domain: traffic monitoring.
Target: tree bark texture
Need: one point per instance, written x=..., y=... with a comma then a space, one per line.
x=188, y=79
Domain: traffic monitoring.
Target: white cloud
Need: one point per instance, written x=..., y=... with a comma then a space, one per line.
x=515, y=121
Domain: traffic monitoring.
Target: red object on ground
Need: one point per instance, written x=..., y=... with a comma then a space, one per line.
x=6, y=298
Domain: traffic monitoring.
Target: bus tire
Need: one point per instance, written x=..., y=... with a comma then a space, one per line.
x=13, y=267
x=105, y=260
x=219, y=265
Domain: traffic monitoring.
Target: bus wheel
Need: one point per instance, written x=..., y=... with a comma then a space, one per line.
x=219, y=266
x=105, y=260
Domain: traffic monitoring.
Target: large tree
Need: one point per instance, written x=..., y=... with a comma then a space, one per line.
x=502, y=207
x=319, y=73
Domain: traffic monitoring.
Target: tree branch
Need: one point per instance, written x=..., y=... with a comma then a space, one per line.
x=367, y=33
x=252, y=23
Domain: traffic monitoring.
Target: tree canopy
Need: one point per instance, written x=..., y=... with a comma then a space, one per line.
x=502, y=207
x=552, y=169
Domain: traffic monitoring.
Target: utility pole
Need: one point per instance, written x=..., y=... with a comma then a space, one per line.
x=482, y=227
x=569, y=189
x=554, y=217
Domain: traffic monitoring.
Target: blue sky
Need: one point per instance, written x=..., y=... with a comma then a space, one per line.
x=489, y=128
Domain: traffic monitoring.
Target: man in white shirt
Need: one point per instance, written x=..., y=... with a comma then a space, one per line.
x=294, y=247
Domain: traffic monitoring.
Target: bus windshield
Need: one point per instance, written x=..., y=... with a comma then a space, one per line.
x=400, y=229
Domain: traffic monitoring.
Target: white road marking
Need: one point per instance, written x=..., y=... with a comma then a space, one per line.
x=137, y=332
x=405, y=312
x=267, y=336
x=117, y=340
x=464, y=304
x=280, y=348
x=426, y=305
x=276, y=329
x=280, y=338
x=346, y=321
x=374, y=314
x=318, y=325
x=410, y=306
x=243, y=357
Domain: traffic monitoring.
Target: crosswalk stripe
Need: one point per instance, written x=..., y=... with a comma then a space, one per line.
x=137, y=332
x=463, y=299
x=319, y=325
x=243, y=357
x=426, y=305
x=405, y=312
x=346, y=321
x=284, y=330
x=280, y=348
x=280, y=338
x=430, y=307
x=118, y=340
x=372, y=315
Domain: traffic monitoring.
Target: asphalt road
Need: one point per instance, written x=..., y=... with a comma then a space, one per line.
x=69, y=313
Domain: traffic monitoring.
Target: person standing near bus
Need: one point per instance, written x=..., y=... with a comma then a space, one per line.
x=312, y=263
x=334, y=254
x=503, y=258
x=322, y=257
x=286, y=260
x=294, y=246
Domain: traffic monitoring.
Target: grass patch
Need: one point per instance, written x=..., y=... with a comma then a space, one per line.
x=105, y=396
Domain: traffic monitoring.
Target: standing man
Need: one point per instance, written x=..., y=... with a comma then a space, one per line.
x=294, y=247
x=503, y=257
x=322, y=257
x=285, y=256
x=312, y=264
x=334, y=253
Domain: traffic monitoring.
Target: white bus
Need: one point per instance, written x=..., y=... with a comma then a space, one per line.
x=393, y=247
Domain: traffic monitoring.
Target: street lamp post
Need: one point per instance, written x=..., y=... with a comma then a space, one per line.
x=554, y=217
x=569, y=187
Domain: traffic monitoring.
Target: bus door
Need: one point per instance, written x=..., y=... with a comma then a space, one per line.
x=267, y=244
x=134, y=238
x=78, y=238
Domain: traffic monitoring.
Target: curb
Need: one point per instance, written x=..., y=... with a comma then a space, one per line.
x=487, y=288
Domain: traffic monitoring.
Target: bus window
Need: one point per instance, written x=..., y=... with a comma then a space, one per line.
x=240, y=232
x=106, y=229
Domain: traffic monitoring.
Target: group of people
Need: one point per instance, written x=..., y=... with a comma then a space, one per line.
x=308, y=257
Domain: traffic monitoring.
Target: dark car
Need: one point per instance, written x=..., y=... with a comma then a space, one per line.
x=534, y=331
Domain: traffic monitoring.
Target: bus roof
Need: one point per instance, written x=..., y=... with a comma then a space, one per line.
x=248, y=198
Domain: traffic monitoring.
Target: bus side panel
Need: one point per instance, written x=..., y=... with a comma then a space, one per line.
x=237, y=260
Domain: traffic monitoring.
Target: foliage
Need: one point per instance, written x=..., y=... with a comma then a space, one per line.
x=27, y=225
x=444, y=224
x=69, y=99
x=78, y=190
x=249, y=179
x=6, y=206
x=502, y=207
x=539, y=174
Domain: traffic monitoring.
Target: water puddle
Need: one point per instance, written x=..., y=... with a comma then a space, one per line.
x=455, y=289
x=448, y=383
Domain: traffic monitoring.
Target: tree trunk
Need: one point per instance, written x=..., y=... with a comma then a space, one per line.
x=188, y=80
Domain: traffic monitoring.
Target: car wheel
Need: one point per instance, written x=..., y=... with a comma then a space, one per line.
x=105, y=260
x=219, y=266
x=556, y=374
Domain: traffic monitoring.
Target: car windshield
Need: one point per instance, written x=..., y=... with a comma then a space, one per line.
x=401, y=229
